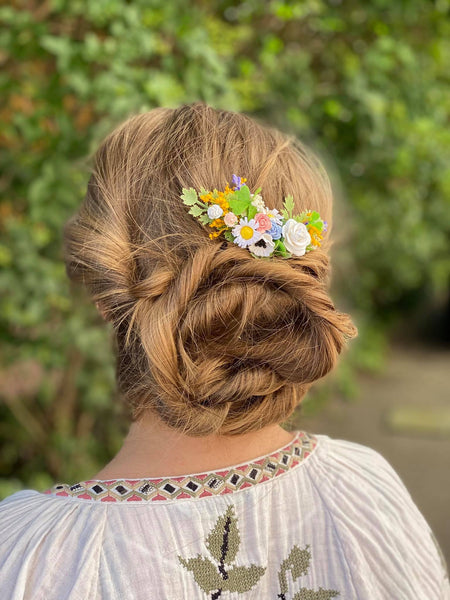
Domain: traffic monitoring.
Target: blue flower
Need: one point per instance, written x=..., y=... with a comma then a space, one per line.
x=275, y=231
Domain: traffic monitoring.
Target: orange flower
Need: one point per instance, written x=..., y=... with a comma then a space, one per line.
x=316, y=235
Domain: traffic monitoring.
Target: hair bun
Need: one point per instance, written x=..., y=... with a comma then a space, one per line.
x=230, y=343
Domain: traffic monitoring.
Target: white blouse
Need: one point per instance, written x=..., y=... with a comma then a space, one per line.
x=317, y=519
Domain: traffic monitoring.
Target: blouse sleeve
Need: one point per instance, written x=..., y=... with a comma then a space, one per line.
x=386, y=540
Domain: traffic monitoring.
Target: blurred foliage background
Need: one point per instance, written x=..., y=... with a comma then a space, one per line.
x=365, y=84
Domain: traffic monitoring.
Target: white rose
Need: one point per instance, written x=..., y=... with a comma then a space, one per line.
x=264, y=246
x=295, y=237
x=215, y=211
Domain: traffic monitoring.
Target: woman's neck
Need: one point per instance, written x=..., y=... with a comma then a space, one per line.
x=151, y=449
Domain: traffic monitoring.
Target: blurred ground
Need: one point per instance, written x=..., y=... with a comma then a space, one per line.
x=405, y=415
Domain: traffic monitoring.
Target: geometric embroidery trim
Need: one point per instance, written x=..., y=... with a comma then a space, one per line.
x=199, y=485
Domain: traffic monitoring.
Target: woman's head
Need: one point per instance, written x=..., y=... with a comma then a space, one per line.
x=209, y=338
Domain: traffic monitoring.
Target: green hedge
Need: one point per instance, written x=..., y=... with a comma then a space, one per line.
x=364, y=83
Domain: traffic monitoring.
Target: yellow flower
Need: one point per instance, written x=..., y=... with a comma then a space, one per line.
x=218, y=198
x=216, y=233
x=315, y=234
x=217, y=223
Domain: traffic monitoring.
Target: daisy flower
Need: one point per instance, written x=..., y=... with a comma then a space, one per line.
x=246, y=232
x=274, y=215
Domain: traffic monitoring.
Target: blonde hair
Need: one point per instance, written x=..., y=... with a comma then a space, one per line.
x=208, y=337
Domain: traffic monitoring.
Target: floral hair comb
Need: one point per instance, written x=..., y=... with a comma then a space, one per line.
x=243, y=218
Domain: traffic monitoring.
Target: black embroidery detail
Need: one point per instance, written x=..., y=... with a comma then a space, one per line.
x=169, y=488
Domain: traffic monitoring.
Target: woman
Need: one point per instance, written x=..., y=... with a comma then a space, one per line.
x=203, y=239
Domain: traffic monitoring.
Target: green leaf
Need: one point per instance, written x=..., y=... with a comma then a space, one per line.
x=242, y=579
x=280, y=246
x=289, y=205
x=240, y=200
x=320, y=594
x=251, y=212
x=238, y=206
x=189, y=196
x=205, y=572
x=301, y=217
x=317, y=224
x=203, y=218
x=196, y=210
x=228, y=235
x=243, y=194
x=224, y=538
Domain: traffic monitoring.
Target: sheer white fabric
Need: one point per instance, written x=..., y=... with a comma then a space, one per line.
x=339, y=524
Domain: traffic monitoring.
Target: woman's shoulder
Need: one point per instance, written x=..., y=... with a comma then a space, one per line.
x=355, y=479
x=27, y=499
x=343, y=462
x=23, y=509
x=373, y=510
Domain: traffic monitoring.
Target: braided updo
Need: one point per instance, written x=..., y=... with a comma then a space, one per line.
x=209, y=338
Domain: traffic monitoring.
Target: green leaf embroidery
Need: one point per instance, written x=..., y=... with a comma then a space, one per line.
x=320, y=594
x=215, y=540
x=204, y=571
x=223, y=544
x=242, y=579
x=298, y=563
x=189, y=196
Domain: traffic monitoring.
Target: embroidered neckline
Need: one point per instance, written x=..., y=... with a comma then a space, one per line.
x=198, y=485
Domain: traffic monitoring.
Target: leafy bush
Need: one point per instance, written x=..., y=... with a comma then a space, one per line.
x=364, y=84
